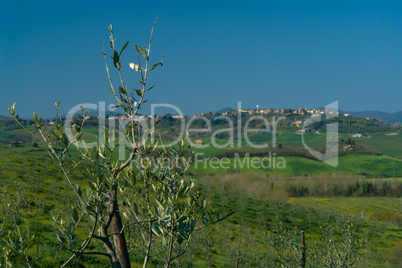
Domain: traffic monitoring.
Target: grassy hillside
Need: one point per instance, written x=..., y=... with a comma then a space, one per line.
x=389, y=144
x=34, y=184
x=360, y=164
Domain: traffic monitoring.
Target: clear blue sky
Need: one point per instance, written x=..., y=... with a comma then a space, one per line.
x=281, y=54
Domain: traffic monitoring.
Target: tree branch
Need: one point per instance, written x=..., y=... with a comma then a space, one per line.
x=83, y=245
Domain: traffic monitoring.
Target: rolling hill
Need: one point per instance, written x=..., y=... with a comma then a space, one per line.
x=385, y=117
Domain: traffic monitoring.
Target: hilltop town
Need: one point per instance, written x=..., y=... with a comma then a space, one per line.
x=268, y=111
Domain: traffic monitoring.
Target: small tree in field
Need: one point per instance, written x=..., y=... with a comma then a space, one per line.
x=141, y=200
x=337, y=245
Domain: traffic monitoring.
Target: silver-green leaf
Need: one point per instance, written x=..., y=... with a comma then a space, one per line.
x=141, y=51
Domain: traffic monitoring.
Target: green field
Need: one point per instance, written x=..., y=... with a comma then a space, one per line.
x=359, y=164
x=390, y=145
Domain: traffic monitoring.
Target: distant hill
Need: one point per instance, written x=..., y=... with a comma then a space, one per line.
x=2, y=117
x=385, y=117
x=89, y=113
x=226, y=109
x=96, y=113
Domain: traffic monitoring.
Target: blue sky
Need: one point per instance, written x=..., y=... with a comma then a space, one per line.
x=280, y=54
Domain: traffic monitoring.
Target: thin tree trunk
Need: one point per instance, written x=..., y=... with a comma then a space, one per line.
x=303, y=250
x=116, y=226
x=170, y=251
x=149, y=225
x=146, y=259
x=209, y=254
x=109, y=248
x=238, y=258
